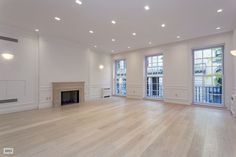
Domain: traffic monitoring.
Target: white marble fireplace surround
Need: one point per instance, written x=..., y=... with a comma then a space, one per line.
x=59, y=87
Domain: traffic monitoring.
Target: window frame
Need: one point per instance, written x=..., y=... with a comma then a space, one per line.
x=115, y=82
x=145, y=77
x=222, y=104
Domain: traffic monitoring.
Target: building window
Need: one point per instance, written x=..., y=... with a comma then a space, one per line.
x=208, y=75
x=120, y=77
x=154, y=76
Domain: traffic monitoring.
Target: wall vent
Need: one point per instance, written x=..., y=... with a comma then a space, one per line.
x=8, y=101
x=8, y=39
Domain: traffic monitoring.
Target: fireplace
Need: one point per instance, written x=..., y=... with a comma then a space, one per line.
x=69, y=97
x=68, y=93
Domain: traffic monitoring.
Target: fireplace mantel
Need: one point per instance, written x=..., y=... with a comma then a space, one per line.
x=59, y=87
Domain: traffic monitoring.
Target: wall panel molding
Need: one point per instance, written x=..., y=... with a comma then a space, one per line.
x=16, y=107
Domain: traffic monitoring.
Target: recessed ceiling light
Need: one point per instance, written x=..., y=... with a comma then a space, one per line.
x=178, y=37
x=113, y=40
x=218, y=28
x=146, y=7
x=91, y=31
x=128, y=47
x=7, y=56
x=150, y=43
x=36, y=30
x=163, y=25
x=112, y=51
x=113, y=22
x=78, y=2
x=57, y=18
x=219, y=10
x=95, y=46
x=134, y=34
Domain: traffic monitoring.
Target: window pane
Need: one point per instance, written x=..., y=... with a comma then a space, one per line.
x=207, y=62
x=207, y=53
x=208, y=71
x=197, y=54
x=199, y=69
x=198, y=81
x=160, y=58
x=154, y=59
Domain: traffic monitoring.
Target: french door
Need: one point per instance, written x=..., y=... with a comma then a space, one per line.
x=154, y=76
x=120, y=77
x=208, y=74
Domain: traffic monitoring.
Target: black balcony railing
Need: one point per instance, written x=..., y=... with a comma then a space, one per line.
x=154, y=90
x=209, y=94
x=121, y=88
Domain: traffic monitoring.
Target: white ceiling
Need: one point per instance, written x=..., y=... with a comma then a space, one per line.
x=187, y=18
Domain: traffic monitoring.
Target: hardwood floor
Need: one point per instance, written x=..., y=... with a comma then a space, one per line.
x=120, y=127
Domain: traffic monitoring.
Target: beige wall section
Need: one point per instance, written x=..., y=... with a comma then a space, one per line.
x=177, y=68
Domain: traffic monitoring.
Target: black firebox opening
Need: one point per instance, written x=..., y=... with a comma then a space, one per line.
x=69, y=97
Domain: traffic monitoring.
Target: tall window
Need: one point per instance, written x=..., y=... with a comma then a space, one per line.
x=154, y=76
x=120, y=77
x=208, y=75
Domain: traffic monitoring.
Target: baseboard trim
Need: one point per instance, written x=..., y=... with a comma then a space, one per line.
x=45, y=105
x=176, y=102
x=134, y=97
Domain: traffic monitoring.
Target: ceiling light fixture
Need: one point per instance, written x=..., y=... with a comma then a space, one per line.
x=113, y=40
x=128, y=47
x=91, y=32
x=78, y=2
x=112, y=51
x=36, y=30
x=163, y=25
x=57, y=18
x=219, y=10
x=7, y=56
x=113, y=22
x=178, y=37
x=95, y=46
x=146, y=7
x=134, y=34
x=218, y=28
x=150, y=43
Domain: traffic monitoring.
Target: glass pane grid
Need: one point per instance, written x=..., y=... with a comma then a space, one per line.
x=120, y=77
x=208, y=76
x=154, y=76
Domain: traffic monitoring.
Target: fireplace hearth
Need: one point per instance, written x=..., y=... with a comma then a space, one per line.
x=69, y=97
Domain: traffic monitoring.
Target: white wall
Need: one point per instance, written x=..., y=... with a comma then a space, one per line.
x=62, y=61
x=42, y=59
x=99, y=78
x=177, y=68
x=18, y=77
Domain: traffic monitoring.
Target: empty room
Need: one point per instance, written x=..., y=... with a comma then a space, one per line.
x=117, y=78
